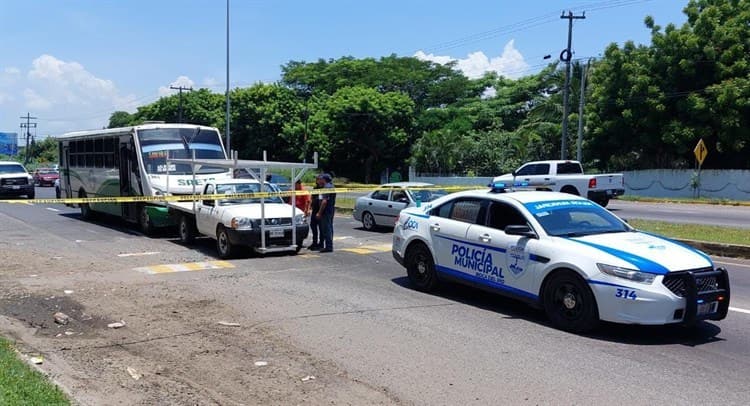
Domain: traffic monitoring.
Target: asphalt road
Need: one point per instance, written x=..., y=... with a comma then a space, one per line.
x=355, y=308
x=708, y=214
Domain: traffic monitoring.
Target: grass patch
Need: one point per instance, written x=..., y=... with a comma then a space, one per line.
x=683, y=200
x=21, y=385
x=725, y=235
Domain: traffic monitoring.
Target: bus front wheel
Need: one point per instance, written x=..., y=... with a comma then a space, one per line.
x=144, y=221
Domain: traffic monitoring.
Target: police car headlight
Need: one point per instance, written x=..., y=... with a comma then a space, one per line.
x=242, y=223
x=300, y=220
x=625, y=273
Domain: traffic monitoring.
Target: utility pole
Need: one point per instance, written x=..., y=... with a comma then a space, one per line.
x=229, y=143
x=582, y=98
x=27, y=125
x=565, y=56
x=180, y=88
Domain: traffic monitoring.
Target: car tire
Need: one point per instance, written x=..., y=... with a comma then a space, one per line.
x=570, y=190
x=224, y=246
x=187, y=229
x=31, y=195
x=368, y=221
x=144, y=222
x=86, y=213
x=603, y=202
x=420, y=267
x=569, y=303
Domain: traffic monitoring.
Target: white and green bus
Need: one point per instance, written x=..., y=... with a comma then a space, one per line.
x=132, y=161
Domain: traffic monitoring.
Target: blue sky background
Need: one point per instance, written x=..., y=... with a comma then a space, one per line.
x=72, y=63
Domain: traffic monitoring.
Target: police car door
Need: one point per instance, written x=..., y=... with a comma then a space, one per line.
x=448, y=225
x=506, y=262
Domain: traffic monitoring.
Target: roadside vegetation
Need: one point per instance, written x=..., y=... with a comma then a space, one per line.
x=21, y=385
x=723, y=235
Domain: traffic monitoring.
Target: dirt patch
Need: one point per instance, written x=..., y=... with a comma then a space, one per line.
x=38, y=312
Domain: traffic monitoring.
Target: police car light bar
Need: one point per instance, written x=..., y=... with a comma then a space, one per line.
x=498, y=187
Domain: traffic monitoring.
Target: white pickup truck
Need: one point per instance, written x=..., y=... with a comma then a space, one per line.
x=235, y=222
x=566, y=177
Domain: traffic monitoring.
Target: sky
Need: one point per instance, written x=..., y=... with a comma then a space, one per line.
x=72, y=63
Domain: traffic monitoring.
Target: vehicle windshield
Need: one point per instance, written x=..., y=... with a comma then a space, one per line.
x=235, y=188
x=13, y=168
x=426, y=195
x=575, y=218
x=179, y=143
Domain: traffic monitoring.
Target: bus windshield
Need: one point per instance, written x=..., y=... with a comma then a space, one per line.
x=161, y=143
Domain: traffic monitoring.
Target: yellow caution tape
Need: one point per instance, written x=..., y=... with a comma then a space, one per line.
x=196, y=197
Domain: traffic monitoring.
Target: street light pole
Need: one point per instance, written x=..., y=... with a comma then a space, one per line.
x=229, y=143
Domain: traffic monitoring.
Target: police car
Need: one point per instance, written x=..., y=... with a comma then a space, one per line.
x=560, y=252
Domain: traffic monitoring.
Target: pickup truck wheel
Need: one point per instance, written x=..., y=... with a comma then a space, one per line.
x=225, y=248
x=603, y=202
x=187, y=229
x=569, y=303
x=570, y=190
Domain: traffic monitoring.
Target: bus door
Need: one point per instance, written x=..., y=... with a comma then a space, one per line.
x=65, y=171
x=128, y=165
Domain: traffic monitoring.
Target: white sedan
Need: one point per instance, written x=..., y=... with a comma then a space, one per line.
x=381, y=206
x=562, y=253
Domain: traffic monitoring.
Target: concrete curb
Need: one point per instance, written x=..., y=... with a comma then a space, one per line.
x=719, y=249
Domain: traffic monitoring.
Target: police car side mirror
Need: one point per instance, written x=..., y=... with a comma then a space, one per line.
x=524, y=231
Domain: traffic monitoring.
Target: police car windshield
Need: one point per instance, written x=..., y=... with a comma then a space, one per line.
x=577, y=220
x=240, y=188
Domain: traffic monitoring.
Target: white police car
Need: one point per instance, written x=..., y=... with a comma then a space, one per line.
x=563, y=253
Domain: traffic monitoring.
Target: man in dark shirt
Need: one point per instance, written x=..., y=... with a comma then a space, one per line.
x=314, y=219
x=326, y=212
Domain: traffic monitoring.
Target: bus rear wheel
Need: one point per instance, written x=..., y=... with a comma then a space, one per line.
x=86, y=213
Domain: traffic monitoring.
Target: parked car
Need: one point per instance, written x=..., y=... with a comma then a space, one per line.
x=381, y=207
x=561, y=253
x=46, y=176
x=15, y=180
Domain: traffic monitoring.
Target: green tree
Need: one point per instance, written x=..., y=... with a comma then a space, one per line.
x=367, y=130
x=120, y=119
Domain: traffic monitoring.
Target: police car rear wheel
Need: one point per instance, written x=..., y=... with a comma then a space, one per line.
x=368, y=221
x=421, y=268
x=569, y=303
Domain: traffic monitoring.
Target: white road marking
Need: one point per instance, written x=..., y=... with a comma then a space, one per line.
x=738, y=310
x=51, y=209
x=733, y=264
x=138, y=254
x=343, y=237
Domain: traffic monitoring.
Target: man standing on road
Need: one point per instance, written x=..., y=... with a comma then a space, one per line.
x=314, y=219
x=325, y=213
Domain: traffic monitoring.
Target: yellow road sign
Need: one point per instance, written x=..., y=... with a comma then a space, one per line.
x=700, y=151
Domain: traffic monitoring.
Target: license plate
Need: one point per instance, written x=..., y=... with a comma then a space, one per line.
x=707, y=308
x=15, y=187
x=276, y=232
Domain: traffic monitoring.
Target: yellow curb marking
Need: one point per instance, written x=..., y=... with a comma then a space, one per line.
x=186, y=267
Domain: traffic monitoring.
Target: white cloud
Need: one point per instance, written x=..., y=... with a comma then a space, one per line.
x=510, y=64
x=210, y=83
x=181, y=81
x=62, y=94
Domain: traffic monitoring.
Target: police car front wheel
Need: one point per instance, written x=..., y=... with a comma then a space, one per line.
x=569, y=303
x=421, y=268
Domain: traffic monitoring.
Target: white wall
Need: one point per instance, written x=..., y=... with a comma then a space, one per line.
x=732, y=184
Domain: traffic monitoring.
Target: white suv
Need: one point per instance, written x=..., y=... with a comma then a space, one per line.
x=15, y=180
